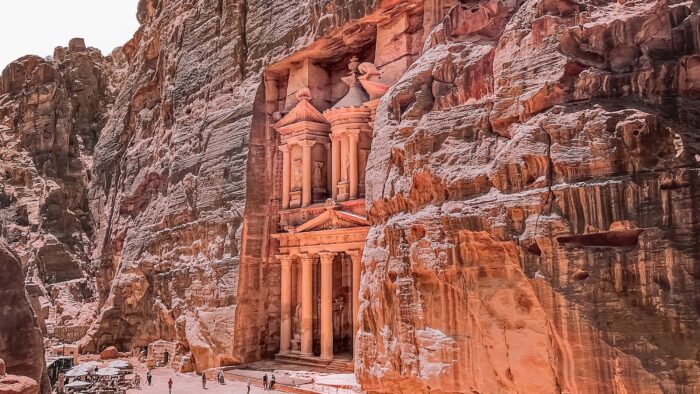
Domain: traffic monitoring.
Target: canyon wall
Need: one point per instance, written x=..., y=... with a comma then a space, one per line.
x=51, y=112
x=533, y=185
x=180, y=193
x=21, y=344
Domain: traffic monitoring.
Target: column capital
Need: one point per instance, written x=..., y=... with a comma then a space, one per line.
x=335, y=138
x=353, y=133
x=305, y=143
x=307, y=258
x=284, y=259
x=327, y=257
x=355, y=255
x=284, y=148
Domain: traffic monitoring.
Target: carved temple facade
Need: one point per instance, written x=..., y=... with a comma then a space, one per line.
x=323, y=225
x=321, y=106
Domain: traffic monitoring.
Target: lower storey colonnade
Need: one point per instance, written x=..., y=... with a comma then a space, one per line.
x=318, y=282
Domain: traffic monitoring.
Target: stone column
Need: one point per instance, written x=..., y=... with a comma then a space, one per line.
x=307, y=310
x=285, y=303
x=327, y=305
x=286, y=174
x=356, y=257
x=335, y=177
x=307, y=192
x=354, y=138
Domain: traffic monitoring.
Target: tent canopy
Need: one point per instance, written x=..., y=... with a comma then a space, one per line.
x=107, y=372
x=77, y=384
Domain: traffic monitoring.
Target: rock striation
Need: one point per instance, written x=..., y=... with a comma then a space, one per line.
x=533, y=184
x=21, y=344
x=532, y=187
x=51, y=112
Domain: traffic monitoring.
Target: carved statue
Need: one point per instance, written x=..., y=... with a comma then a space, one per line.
x=338, y=307
x=346, y=165
x=296, y=320
x=318, y=175
x=364, y=154
x=297, y=175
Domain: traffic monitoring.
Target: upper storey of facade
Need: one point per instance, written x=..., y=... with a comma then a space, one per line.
x=322, y=102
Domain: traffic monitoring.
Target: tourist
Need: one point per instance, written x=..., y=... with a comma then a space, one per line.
x=137, y=381
x=204, y=381
x=149, y=377
x=220, y=376
x=272, y=381
x=170, y=386
x=265, y=382
x=248, y=392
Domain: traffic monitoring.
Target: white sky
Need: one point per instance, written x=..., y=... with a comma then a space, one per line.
x=36, y=27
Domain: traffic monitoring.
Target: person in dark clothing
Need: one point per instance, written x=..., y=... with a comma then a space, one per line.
x=272, y=382
x=204, y=381
x=149, y=377
x=170, y=386
x=248, y=387
x=265, y=382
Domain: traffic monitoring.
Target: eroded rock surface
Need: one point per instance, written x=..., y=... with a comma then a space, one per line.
x=21, y=344
x=51, y=112
x=534, y=223
x=532, y=186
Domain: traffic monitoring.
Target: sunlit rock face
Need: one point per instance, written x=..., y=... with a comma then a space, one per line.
x=533, y=182
x=532, y=185
x=51, y=112
x=21, y=345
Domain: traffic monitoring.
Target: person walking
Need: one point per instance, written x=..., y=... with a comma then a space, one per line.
x=170, y=386
x=248, y=387
x=204, y=381
x=149, y=377
x=272, y=381
x=265, y=382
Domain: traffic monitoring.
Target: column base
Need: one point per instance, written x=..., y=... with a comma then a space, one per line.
x=327, y=358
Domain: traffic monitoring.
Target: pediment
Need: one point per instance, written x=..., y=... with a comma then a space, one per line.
x=302, y=112
x=331, y=220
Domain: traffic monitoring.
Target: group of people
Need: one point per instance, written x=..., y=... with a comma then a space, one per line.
x=267, y=385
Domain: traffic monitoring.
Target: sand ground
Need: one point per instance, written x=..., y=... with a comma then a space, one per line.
x=189, y=383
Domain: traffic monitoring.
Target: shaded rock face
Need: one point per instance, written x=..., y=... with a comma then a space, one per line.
x=21, y=344
x=534, y=183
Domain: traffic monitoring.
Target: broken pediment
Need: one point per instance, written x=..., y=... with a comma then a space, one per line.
x=332, y=219
x=304, y=113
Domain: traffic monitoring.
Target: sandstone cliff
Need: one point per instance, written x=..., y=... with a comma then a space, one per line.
x=534, y=183
x=51, y=112
x=181, y=188
x=21, y=344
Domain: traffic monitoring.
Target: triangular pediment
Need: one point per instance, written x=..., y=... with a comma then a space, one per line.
x=302, y=112
x=333, y=219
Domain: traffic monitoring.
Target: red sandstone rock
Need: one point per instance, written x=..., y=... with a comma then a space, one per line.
x=498, y=247
x=109, y=353
x=531, y=183
x=21, y=345
x=11, y=384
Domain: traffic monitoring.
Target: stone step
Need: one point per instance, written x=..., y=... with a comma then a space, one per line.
x=336, y=365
